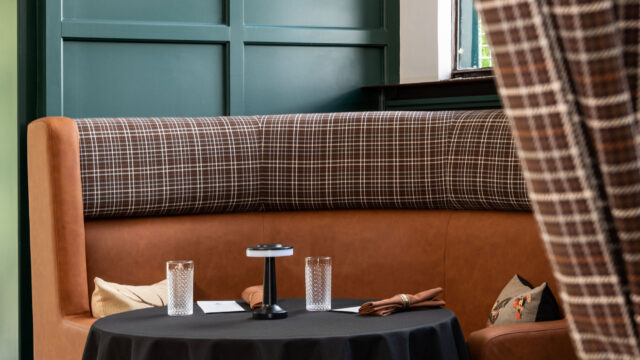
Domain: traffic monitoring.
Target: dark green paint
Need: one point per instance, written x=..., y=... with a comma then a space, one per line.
x=392, y=47
x=51, y=57
x=467, y=35
x=311, y=37
x=235, y=70
x=330, y=80
x=475, y=45
x=118, y=79
x=185, y=11
x=186, y=33
x=355, y=14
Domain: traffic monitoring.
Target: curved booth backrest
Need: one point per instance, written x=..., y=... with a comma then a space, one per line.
x=402, y=201
x=375, y=160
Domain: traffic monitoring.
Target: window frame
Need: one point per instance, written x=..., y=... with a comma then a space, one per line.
x=462, y=73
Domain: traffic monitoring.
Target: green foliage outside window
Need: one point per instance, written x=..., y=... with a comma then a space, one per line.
x=472, y=47
x=484, y=53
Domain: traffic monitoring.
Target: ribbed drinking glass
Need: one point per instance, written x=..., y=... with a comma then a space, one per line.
x=318, y=283
x=180, y=287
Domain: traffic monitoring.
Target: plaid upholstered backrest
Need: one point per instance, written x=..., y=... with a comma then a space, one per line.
x=162, y=166
x=393, y=160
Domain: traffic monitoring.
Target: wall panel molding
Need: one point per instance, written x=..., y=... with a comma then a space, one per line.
x=129, y=31
x=96, y=78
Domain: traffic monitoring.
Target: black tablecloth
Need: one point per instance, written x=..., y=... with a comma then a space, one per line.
x=150, y=334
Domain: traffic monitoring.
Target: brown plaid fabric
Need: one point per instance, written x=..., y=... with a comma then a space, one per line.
x=419, y=160
x=567, y=72
x=414, y=160
x=160, y=166
x=628, y=15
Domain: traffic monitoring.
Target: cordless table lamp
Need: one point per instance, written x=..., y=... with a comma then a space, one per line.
x=269, y=310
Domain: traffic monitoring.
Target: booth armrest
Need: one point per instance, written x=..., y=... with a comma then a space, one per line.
x=539, y=341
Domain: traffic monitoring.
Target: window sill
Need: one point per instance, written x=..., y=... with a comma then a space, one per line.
x=459, y=93
x=471, y=73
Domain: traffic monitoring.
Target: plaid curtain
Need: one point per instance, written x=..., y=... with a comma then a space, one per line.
x=567, y=73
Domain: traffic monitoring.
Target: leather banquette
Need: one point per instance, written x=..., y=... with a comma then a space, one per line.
x=402, y=201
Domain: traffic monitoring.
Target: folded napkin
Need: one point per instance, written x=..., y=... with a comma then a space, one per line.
x=402, y=302
x=253, y=296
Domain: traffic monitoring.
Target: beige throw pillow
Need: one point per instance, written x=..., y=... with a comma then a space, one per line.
x=111, y=298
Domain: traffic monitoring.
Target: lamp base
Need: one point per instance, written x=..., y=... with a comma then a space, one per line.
x=269, y=312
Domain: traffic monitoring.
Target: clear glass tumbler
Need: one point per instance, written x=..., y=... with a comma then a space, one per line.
x=180, y=287
x=318, y=283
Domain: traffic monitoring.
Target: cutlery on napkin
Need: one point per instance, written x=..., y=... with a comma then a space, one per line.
x=402, y=302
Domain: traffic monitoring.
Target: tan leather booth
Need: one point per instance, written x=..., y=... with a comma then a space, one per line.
x=377, y=251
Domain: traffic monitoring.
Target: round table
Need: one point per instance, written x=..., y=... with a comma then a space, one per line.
x=151, y=334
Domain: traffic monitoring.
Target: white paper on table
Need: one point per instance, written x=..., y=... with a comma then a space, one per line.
x=353, y=309
x=210, y=307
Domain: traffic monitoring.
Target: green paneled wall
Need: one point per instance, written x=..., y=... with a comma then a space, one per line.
x=8, y=181
x=208, y=57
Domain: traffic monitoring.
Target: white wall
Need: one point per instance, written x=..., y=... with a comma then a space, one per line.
x=425, y=40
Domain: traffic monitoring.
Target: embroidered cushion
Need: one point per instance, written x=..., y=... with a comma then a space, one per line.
x=520, y=302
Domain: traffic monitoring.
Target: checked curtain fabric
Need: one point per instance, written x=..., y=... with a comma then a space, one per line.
x=567, y=72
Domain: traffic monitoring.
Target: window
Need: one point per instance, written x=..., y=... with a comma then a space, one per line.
x=471, y=50
x=484, y=54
